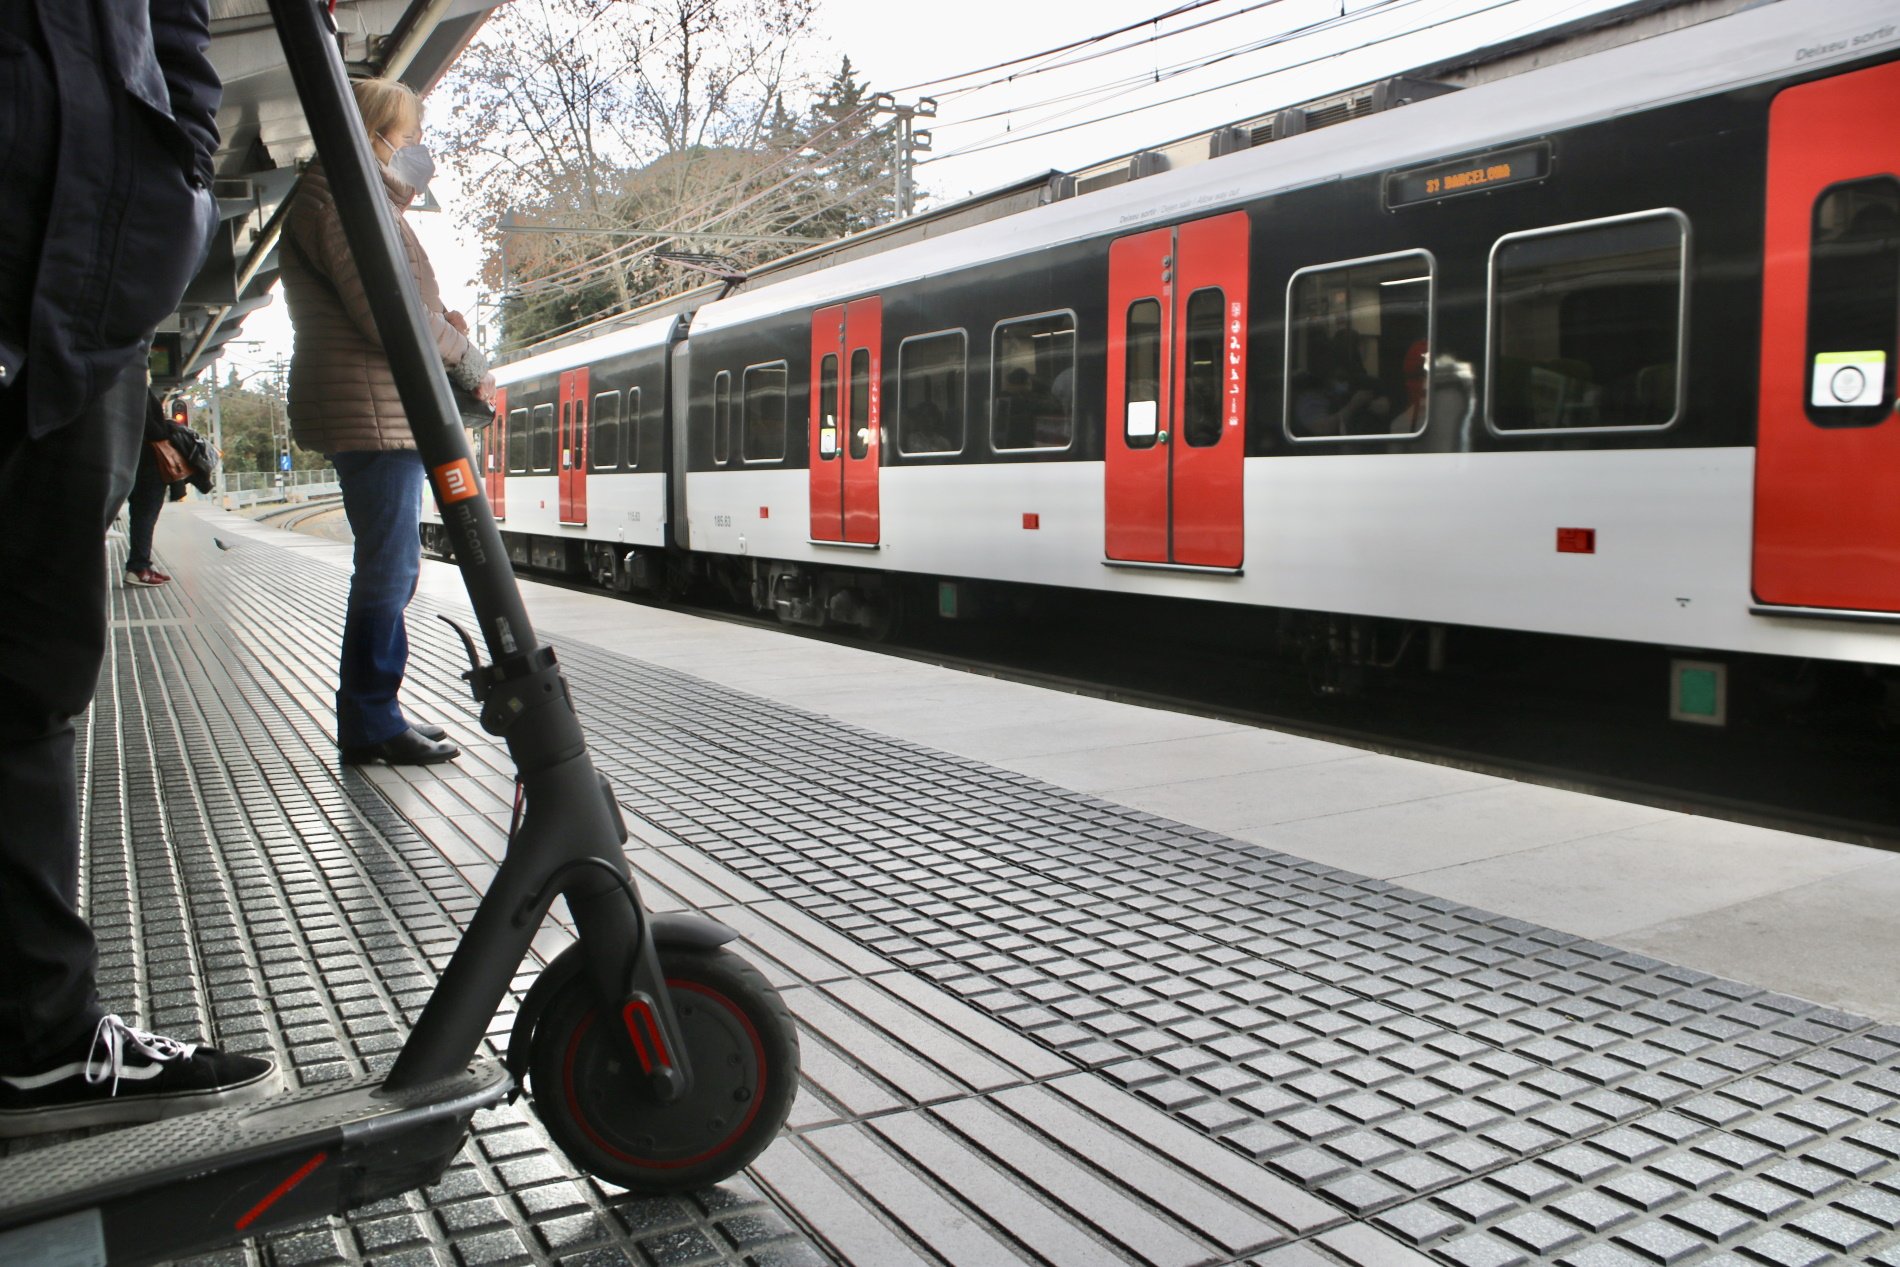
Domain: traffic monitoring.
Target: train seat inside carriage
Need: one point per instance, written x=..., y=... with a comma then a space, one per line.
x=1028, y=413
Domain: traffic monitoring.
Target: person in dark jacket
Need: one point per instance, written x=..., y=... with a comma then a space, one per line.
x=149, y=491
x=106, y=144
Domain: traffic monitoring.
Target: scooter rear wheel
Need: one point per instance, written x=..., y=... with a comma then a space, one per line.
x=741, y=1042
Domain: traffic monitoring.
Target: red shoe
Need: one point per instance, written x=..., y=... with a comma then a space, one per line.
x=146, y=577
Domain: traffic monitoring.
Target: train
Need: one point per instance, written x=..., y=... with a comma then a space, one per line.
x=1605, y=350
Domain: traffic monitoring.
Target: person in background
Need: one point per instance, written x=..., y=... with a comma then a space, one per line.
x=109, y=131
x=149, y=490
x=343, y=404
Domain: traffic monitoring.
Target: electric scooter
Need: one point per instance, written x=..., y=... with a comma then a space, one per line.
x=658, y=1059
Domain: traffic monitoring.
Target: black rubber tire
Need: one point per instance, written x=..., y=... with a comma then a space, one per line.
x=743, y=1046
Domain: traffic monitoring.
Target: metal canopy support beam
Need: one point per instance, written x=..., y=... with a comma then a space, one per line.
x=407, y=40
x=260, y=251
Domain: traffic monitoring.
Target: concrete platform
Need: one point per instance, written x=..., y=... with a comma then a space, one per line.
x=1079, y=982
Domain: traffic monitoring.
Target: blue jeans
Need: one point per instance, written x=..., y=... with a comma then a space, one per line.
x=382, y=497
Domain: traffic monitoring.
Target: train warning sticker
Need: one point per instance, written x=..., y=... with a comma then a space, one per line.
x=455, y=482
x=1848, y=378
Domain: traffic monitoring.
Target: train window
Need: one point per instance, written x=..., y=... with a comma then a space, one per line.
x=630, y=428
x=1141, y=373
x=1358, y=339
x=930, y=370
x=518, y=441
x=828, y=407
x=764, y=437
x=1587, y=325
x=541, y=437
x=1206, y=355
x=722, y=417
x=860, y=402
x=603, y=446
x=1854, y=303
x=1032, y=382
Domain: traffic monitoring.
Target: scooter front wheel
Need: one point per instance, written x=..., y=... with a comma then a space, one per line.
x=743, y=1047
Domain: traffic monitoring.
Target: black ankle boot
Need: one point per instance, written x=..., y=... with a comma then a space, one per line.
x=411, y=747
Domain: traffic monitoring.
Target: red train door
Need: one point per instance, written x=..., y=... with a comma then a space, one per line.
x=1177, y=396
x=571, y=442
x=1827, y=462
x=846, y=421
x=495, y=457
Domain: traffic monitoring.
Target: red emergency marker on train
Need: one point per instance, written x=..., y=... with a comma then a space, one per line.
x=1576, y=540
x=1031, y=521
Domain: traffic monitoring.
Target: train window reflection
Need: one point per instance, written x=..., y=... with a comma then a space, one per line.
x=722, y=417
x=1854, y=303
x=828, y=408
x=861, y=421
x=1141, y=375
x=603, y=446
x=1032, y=382
x=541, y=446
x=764, y=437
x=518, y=441
x=1586, y=325
x=930, y=371
x=1203, y=360
x=630, y=428
x=1358, y=344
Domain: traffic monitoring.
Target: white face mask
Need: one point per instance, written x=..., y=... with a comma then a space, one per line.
x=413, y=165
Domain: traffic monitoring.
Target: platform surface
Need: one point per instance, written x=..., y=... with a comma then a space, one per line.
x=1078, y=982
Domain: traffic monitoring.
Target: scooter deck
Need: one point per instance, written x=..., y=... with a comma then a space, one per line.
x=173, y=1187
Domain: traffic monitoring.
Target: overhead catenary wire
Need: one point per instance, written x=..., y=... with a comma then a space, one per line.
x=649, y=294
x=1158, y=74
x=1012, y=138
x=1099, y=53
x=635, y=299
x=813, y=165
x=1163, y=16
x=629, y=252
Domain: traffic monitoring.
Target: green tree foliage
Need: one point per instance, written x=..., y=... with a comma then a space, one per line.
x=847, y=155
x=251, y=411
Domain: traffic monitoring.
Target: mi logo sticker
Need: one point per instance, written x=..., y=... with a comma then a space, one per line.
x=1848, y=378
x=455, y=482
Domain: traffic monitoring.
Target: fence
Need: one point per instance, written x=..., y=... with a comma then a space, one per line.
x=247, y=488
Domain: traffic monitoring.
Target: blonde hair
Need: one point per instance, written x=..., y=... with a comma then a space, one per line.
x=386, y=105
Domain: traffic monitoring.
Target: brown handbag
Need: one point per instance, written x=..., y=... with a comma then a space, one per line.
x=171, y=465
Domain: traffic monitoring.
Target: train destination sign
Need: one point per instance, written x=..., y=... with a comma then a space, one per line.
x=1468, y=175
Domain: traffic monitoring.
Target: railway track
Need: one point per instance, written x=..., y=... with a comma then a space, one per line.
x=291, y=518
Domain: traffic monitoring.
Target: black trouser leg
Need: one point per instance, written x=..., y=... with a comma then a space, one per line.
x=147, y=499
x=58, y=495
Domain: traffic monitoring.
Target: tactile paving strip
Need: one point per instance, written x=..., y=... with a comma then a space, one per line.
x=1492, y=1091
x=1489, y=1090
x=1473, y=1083
x=260, y=906
x=877, y=1049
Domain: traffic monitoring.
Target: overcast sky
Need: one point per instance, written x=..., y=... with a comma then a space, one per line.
x=1271, y=53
